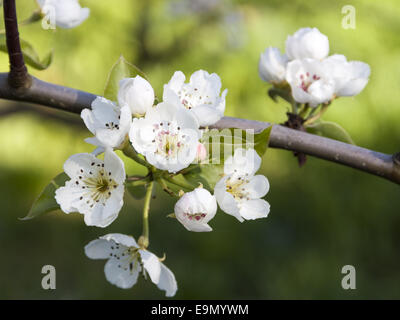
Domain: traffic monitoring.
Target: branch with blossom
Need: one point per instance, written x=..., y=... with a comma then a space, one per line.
x=197, y=156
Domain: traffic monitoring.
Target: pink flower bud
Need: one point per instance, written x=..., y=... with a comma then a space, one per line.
x=201, y=152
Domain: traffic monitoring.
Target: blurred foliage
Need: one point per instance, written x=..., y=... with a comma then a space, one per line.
x=323, y=216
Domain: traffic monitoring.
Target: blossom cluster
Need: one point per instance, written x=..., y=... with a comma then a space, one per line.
x=166, y=138
x=314, y=77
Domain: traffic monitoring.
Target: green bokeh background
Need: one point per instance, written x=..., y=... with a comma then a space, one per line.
x=323, y=216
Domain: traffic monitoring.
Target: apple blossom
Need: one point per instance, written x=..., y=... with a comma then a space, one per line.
x=126, y=260
x=109, y=123
x=350, y=77
x=201, y=95
x=307, y=43
x=137, y=93
x=195, y=209
x=96, y=187
x=310, y=81
x=167, y=136
x=238, y=193
x=272, y=66
x=68, y=13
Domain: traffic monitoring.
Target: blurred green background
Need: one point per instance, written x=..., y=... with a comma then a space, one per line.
x=323, y=216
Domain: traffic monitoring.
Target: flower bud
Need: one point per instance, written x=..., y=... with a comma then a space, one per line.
x=272, y=65
x=137, y=93
x=201, y=152
x=195, y=209
x=307, y=43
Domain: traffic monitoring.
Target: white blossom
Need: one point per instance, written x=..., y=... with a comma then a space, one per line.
x=238, y=193
x=201, y=95
x=137, y=93
x=307, y=43
x=68, y=13
x=310, y=81
x=109, y=123
x=126, y=260
x=195, y=209
x=167, y=136
x=272, y=66
x=350, y=77
x=96, y=187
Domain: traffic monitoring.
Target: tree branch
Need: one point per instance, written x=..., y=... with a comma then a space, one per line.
x=376, y=163
x=18, y=76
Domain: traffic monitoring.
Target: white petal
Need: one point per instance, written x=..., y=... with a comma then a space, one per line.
x=120, y=238
x=159, y=273
x=207, y=115
x=110, y=138
x=88, y=118
x=114, y=164
x=167, y=281
x=257, y=187
x=117, y=275
x=254, y=209
x=78, y=161
x=272, y=65
x=225, y=200
x=141, y=135
x=171, y=96
x=307, y=43
x=68, y=13
x=322, y=91
x=137, y=93
x=98, y=249
x=358, y=79
x=102, y=216
x=176, y=81
x=243, y=162
x=68, y=197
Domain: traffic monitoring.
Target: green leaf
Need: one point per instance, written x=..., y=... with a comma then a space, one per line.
x=46, y=202
x=137, y=192
x=222, y=143
x=331, y=130
x=120, y=70
x=261, y=141
x=206, y=174
x=277, y=92
x=30, y=55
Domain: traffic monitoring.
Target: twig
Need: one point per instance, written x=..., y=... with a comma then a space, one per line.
x=18, y=76
x=71, y=100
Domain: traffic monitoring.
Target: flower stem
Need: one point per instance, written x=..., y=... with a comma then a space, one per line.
x=131, y=153
x=144, y=239
x=165, y=187
x=181, y=184
x=312, y=119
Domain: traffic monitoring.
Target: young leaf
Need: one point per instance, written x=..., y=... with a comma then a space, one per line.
x=331, y=130
x=222, y=143
x=261, y=141
x=46, y=202
x=207, y=174
x=277, y=92
x=30, y=55
x=120, y=70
